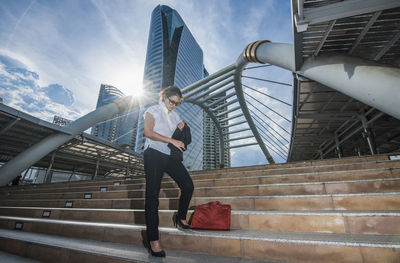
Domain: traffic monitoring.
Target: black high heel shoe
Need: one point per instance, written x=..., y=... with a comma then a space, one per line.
x=160, y=254
x=178, y=222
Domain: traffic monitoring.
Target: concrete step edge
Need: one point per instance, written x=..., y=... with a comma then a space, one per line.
x=231, y=186
x=359, y=240
x=114, y=250
x=393, y=213
x=217, y=197
x=170, y=180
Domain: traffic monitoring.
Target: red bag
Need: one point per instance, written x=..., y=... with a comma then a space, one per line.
x=213, y=215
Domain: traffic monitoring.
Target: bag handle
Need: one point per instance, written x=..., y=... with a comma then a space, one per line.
x=214, y=203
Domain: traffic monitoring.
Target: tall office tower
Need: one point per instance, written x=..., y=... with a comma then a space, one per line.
x=211, y=142
x=211, y=148
x=173, y=58
x=121, y=128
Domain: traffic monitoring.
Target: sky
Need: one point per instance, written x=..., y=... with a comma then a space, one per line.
x=55, y=54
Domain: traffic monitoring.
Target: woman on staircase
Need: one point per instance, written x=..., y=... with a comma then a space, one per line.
x=161, y=121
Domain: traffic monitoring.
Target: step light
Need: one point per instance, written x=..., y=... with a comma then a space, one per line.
x=128, y=178
x=19, y=225
x=394, y=157
x=88, y=196
x=103, y=189
x=46, y=213
x=117, y=183
x=69, y=204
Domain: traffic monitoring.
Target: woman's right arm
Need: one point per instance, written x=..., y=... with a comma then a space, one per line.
x=151, y=134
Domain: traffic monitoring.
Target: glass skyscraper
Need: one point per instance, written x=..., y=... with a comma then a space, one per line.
x=174, y=58
x=121, y=128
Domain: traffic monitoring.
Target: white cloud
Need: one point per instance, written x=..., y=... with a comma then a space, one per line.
x=19, y=89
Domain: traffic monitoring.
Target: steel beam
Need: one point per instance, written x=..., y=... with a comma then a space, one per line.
x=234, y=124
x=385, y=49
x=326, y=34
x=228, y=111
x=9, y=125
x=242, y=145
x=209, y=78
x=225, y=78
x=219, y=92
x=240, y=138
x=232, y=117
x=341, y=10
x=328, y=116
x=222, y=105
x=364, y=31
x=237, y=131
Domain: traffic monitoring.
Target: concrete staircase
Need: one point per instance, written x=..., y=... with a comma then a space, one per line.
x=337, y=210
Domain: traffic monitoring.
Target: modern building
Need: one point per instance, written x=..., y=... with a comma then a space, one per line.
x=174, y=58
x=121, y=129
x=211, y=142
x=211, y=147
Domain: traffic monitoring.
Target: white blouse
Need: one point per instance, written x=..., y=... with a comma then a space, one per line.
x=164, y=123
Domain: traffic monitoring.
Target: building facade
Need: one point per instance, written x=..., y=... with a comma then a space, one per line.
x=121, y=128
x=211, y=147
x=173, y=58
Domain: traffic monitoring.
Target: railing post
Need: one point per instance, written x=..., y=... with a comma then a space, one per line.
x=48, y=176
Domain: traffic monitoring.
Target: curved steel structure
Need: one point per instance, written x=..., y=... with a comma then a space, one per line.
x=228, y=83
x=355, y=77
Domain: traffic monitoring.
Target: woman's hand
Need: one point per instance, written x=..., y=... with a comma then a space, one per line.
x=181, y=125
x=178, y=144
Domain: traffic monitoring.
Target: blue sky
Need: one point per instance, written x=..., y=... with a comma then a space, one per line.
x=55, y=54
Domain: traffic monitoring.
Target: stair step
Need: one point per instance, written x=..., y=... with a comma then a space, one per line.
x=10, y=258
x=361, y=163
x=337, y=187
x=328, y=176
x=359, y=201
x=48, y=247
x=374, y=222
x=254, y=244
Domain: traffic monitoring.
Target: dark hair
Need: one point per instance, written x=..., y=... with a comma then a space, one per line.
x=169, y=92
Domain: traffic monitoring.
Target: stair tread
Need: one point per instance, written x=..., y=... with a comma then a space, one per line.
x=230, y=186
x=215, y=197
x=256, y=212
x=168, y=180
x=10, y=258
x=365, y=240
x=115, y=250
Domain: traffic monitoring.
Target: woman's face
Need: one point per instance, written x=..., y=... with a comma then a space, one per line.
x=172, y=102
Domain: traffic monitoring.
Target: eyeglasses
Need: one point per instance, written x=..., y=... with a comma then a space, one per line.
x=176, y=103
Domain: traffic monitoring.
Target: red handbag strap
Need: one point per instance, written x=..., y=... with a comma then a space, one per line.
x=214, y=203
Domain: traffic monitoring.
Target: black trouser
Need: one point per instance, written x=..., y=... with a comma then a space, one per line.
x=155, y=164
